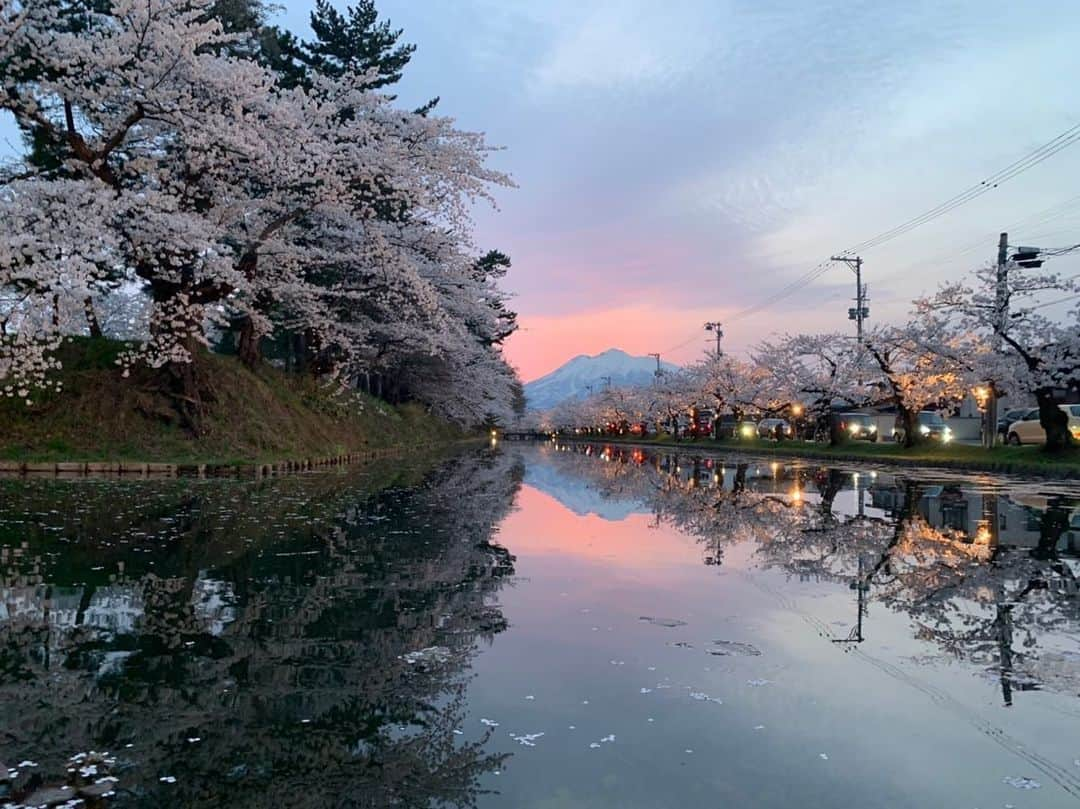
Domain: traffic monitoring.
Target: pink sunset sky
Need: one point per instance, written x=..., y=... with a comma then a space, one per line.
x=679, y=162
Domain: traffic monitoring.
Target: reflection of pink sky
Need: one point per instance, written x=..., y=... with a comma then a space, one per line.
x=542, y=526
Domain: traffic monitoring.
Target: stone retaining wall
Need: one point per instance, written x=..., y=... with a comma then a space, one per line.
x=144, y=470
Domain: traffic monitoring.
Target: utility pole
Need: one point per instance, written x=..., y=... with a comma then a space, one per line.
x=1001, y=319
x=860, y=311
x=714, y=326
x=607, y=382
x=1002, y=289
x=657, y=358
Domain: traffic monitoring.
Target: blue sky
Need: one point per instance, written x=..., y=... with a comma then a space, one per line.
x=678, y=162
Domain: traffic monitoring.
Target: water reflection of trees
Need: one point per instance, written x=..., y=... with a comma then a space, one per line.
x=256, y=640
x=987, y=578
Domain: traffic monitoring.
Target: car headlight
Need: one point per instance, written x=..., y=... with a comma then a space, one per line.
x=854, y=428
x=872, y=428
x=924, y=430
x=747, y=431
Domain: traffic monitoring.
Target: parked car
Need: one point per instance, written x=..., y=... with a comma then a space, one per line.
x=773, y=428
x=730, y=427
x=931, y=427
x=859, y=426
x=1027, y=430
x=701, y=422
x=1008, y=417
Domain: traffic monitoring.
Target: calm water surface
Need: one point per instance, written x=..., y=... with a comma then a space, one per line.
x=543, y=626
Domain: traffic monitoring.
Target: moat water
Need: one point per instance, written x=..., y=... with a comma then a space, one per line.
x=543, y=626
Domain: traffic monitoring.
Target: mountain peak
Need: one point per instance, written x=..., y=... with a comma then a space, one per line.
x=585, y=374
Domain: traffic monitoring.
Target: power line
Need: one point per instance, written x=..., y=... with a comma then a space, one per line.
x=1042, y=217
x=1014, y=169
x=1059, y=300
x=1059, y=251
x=1029, y=161
x=783, y=292
x=692, y=338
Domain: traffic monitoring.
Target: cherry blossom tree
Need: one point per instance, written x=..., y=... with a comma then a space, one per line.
x=233, y=199
x=921, y=363
x=820, y=371
x=1029, y=350
x=729, y=384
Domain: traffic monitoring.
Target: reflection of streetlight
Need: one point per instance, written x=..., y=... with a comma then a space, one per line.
x=796, y=410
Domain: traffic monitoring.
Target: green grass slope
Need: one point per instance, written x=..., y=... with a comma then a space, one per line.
x=249, y=416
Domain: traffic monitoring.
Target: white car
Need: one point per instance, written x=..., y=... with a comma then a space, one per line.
x=1027, y=429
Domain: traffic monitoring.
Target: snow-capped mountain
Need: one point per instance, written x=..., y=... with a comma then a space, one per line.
x=583, y=500
x=572, y=380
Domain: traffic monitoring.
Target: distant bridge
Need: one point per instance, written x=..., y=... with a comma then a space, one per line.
x=524, y=435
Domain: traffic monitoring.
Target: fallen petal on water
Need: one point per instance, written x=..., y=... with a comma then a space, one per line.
x=1020, y=782
x=732, y=648
x=668, y=622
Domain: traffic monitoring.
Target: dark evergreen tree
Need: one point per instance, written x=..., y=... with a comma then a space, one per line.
x=357, y=41
x=492, y=266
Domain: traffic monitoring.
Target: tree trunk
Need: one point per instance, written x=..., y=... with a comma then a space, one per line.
x=837, y=435
x=186, y=396
x=910, y=419
x=829, y=488
x=739, y=483
x=1054, y=421
x=299, y=352
x=91, y=317
x=248, y=346
x=1055, y=522
x=180, y=377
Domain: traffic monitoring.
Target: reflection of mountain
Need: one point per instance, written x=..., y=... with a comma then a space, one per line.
x=580, y=496
x=255, y=639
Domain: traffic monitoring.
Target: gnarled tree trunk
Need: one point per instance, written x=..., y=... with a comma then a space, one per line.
x=910, y=419
x=1054, y=421
x=248, y=343
x=91, y=317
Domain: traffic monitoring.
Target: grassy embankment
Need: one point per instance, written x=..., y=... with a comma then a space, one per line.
x=260, y=416
x=1003, y=459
